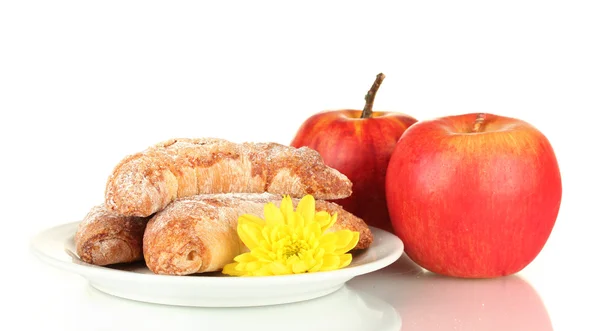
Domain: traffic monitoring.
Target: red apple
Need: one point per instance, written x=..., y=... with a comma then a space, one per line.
x=359, y=145
x=474, y=195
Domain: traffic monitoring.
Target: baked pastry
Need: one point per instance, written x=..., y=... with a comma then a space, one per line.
x=104, y=238
x=199, y=234
x=146, y=182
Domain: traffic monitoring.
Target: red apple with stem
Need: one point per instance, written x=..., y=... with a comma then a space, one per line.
x=474, y=195
x=358, y=144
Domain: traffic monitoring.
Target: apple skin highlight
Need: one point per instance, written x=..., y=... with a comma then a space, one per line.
x=473, y=195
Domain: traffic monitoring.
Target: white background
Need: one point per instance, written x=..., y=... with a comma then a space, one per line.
x=84, y=83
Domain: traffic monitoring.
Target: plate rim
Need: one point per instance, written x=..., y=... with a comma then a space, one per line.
x=88, y=270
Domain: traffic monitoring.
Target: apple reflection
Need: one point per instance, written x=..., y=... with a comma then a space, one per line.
x=427, y=301
x=345, y=309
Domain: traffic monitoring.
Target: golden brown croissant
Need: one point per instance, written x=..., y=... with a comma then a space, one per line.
x=146, y=182
x=199, y=234
x=104, y=238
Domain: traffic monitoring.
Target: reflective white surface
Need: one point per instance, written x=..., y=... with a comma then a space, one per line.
x=84, y=83
x=400, y=297
x=70, y=303
x=345, y=309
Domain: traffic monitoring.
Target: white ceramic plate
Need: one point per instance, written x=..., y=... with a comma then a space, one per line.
x=56, y=247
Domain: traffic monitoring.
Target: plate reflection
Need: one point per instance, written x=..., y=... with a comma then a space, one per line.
x=345, y=309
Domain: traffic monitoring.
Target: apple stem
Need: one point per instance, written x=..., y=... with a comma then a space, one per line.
x=370, y=97
x=478, y=122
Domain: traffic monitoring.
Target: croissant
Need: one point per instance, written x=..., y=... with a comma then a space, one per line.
x=145, y=183
x=104, y=238
x=199, y=234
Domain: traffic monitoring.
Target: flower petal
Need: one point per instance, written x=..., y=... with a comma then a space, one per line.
x=266, y=237
x=346, y=240
x=287, y=209
x=333, y=220
x=275, y=234
x=253, y=266
x=261, y=254
x=299, y=267
x=263, y=271
x=320, y=252
x=345, y=260
x=306, y=207
x=246, y=257
x=250, y=235
x=292, y=259
x=317, y=266
x=309, y=260
x=278, y=268
x=299, y=224
x=327, y=239
x=330, y=262
x=253, y=219
x=285, y=231
x=323, y=218
x=229, y=269
x=273, y=215
x=312, y=231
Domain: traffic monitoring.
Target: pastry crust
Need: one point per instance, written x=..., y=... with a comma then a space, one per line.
x=105, y=238
x=146, y=182
x=199, y=234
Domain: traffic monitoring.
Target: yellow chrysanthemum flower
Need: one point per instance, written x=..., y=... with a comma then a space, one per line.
x=291, y=242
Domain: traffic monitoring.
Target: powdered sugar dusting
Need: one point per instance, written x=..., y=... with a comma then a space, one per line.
x=147, y=182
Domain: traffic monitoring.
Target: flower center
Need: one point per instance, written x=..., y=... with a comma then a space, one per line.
x=295, y=248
